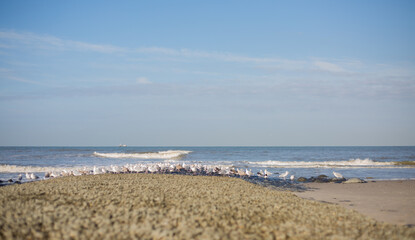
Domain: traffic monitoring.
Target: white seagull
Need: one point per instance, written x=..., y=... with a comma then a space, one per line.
x=248, y=172
x=33, y=176
x=95, y=171
x=284, y=175
x=337, y=175
x=292, y=177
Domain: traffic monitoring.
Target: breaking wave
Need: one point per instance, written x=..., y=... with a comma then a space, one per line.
x=352, y=163
x=15, y=168
x=147, y=155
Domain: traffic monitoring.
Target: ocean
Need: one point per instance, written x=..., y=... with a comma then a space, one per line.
x=378, y=163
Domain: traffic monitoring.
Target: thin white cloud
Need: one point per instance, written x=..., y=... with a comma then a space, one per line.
x=50, y=42
x=10, y=75
x=4, y=70
x=308, y=76
x=223, y=56
x=18, y=79
x=143, y=80
x=11, y=38
x=328, y=66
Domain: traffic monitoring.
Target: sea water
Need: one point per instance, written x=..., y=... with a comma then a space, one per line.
x=379, y=163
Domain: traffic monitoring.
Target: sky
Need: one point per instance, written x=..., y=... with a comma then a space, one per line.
x=207, y=73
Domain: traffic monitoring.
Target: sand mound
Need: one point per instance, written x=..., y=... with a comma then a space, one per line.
x=145, y=206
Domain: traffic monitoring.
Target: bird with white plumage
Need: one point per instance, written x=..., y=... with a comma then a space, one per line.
x=33, y=176
x=284, y=175
x=248, y=172
x=337, y=175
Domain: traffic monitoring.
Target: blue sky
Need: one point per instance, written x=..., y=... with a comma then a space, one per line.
x=274, y=73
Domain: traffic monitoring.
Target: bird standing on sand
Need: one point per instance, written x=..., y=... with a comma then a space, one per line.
x=267, y=174
x=19, y=177
x=33, y=176
x=292, y=177
x=95, y=171
x=337, y=175
x=284, y=175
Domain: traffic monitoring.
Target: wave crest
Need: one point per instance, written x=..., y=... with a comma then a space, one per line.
x=148, y=155
x=326, y=164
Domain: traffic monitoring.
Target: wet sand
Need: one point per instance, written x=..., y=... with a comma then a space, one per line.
x=156, y=206
x=387, y=201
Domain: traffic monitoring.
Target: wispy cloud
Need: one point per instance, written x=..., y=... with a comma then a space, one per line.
x=143, y=80
x=32, y=40
x=18, y=79
x=8, y=39
x=243, y=75
x=329, y=67
x=9, y=74
x=222, y=56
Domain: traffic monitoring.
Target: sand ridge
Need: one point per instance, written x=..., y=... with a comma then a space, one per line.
x=158, y=206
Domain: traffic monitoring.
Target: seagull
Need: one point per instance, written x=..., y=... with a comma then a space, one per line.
x=28, y=176
x=241, y=172
x=19, y=177
x=267, y=173
x=193, y=169
x=292, y=177
x=337, y=175
x=33, y=176
x=284, y=175
x=95, y=171
x=248, y=172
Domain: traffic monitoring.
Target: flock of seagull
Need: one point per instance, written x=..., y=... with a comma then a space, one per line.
x=193, y=169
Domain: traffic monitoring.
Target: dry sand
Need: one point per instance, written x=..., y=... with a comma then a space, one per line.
x=387, y=201
x=155, y=206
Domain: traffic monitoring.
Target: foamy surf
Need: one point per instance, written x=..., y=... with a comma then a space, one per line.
x=352, y=163
x=147, y=155
x=16, y=169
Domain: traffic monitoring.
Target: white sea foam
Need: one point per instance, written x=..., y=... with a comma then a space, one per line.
x=352, y=163
x=14, y=168
x=147, y=155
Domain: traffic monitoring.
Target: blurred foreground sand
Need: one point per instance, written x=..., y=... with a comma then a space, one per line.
x=157, y=206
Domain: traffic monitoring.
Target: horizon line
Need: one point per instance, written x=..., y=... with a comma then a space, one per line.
x=208, y=146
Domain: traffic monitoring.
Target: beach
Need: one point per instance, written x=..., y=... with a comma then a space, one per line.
x=387, y=201
x=161, y=206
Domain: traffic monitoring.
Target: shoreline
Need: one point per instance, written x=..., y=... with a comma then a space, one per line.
x=161, y=206
x=389, y=201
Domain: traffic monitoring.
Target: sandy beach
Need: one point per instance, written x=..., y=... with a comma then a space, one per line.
x=157, y=206
x=387, y=201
